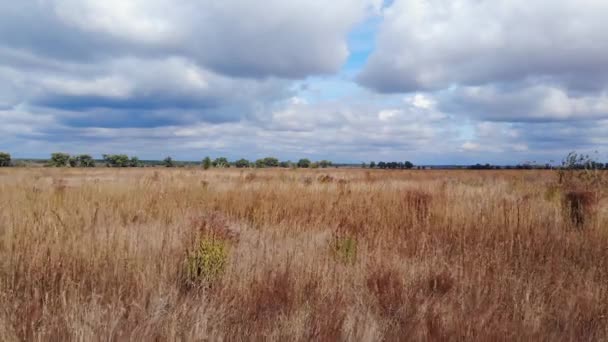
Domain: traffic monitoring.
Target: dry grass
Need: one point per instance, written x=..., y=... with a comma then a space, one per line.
x=324, y=255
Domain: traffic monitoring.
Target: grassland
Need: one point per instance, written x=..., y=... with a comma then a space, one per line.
x=187, y=254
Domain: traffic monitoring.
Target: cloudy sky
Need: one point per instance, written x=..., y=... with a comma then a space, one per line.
x=432, y=81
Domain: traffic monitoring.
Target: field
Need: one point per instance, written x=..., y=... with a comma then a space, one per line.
x=187, y=254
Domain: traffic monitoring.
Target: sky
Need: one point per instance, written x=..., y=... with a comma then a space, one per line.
x=431, y=81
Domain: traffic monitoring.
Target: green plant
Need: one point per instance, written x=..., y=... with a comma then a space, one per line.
x=344, y=248
x=59, y=159
x=208, y=261
x=5, y=159
x=304, y=163
x=168, y=162
x=241, y=163
x=206, y=163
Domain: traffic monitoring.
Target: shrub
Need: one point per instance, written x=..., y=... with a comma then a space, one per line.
x=304, y=163
x=206, y=163
x=85, y=160
x=241, y=163
x=221, y=162
x=168, y=162
x=344, y=249
x=59, y=159
x=580, y=206
x=5, y=159
x=116, y=160
x=207, y=262
x=271, y=162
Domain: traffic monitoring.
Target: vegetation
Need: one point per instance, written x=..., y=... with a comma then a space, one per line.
x=394, y=165
x=304, y=163
x=207, y=163
x=59, y=159
x=241, y=163
x=168, y=162
x=221, y=162
x=5, y=159
x=340, y=254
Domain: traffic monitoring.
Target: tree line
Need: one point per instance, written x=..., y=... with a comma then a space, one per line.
x=60, y=159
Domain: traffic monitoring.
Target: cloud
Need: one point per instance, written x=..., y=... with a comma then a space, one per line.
x=436, y=44
x=234, y=37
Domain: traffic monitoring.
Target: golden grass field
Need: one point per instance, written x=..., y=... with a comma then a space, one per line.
x=294, y=255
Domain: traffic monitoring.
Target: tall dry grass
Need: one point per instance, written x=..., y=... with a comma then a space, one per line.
x=308, y=255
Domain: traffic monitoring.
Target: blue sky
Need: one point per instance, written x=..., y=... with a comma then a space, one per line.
x=432, y=81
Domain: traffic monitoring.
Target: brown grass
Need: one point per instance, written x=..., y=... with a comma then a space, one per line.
x=440, y=255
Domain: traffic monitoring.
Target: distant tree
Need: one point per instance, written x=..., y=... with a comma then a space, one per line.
x=59, y=159
x=325, y=163
x=408, y=165
x=134, y=162
x=260, y=164
x=168, y=162
x=85, y=160
x=241, y=163
x=207, y=163
x=382, y=165
x=285, y=164
x=271, y=162
x=221, y=162
x=116, y=160
x=304, y=163
x=5, y=159
x=372, y=165
x=73, y=161
x=363, y=165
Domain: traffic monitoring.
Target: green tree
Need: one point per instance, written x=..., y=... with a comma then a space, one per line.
x=325, y=163
x=271, y=162
x=85, y=160
x=372, y=165
x=134, y=162
x=116, y=160
x=73, y=161
x=242, y=163
x=168, y=162
x=304, y=163
x=206, y=163
x=5, y=159
x=59, y=159
x=221, y=162
x=408, y=164
x=285, y=164
x=260, y=164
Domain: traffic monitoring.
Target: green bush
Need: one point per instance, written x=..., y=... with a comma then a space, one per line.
x=344, y=248
x=59, y=159
x=206, y=163
x=5, y=159
x=208, y=261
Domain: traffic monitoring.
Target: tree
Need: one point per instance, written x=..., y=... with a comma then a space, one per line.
x=372, y=165
x=206, y=163
x=304, y=163
x=134, y=162
x=285, y=164
x=325, y=163
x=116, y=160
x=408, y=164
x=241, y=163
x=5, y=159
x=73, y=161
x=59, y=159
x=271, y=162
x=381, y=165
x=260, y=164
x=85, y=160
x=221, y=162
x=168, y=162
